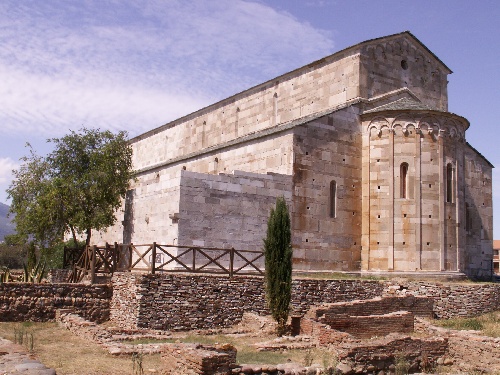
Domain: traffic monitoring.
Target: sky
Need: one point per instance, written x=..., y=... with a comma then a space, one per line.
x=136, y=64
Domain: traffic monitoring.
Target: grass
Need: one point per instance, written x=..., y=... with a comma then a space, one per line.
x=58, y=348
x=247, y=352
x=487, y=324
x=68, y=354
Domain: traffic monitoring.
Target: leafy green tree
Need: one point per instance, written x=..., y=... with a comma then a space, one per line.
x=76, y=188
x=12, y=256
x=278, y=261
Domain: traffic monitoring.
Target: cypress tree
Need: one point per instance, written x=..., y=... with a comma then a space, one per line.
x=278, y=261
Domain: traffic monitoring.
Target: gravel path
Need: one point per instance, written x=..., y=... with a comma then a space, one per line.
x=15, y=360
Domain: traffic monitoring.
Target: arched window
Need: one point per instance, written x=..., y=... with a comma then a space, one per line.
x=449, y=183
x=403, y=184
x=468, y=221
x=333, y=199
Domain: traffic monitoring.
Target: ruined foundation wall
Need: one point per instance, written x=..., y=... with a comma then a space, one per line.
x=187, y=301
x=183, y=302
x=39, y=302
x=420, y=306
x=454, y=300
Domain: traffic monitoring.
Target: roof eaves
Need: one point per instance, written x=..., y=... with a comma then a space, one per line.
x=480, y=155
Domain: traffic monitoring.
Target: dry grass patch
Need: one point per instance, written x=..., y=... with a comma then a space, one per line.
x=247, y=351
x=58, y=348
x=487, y=324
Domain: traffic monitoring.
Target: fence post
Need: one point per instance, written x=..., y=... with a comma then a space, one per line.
x=231, y=262
x=106, y=256
x=194, y=259
x=115, y=257
x=92, y=264
x=129, y=265
x=153, y=259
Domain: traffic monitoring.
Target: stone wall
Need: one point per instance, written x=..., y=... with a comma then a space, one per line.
x=125, y=301
x=375, y=325
x=58, y=275
x=477, y=218
x=419, y=306
x=187, y=301
x=198, y=359
x=327, y=327
x=366, y=318
x=384, y=354
x=453, y=300
x=39, y=302
x=326, y=214
x=215, y=209
x=183, y=302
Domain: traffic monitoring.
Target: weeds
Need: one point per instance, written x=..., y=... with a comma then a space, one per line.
x=137, y=364
x=330, y=362
x=24, y=337
x=462, y=324
x=425, y=363
x=308, y=358
x=402, y=364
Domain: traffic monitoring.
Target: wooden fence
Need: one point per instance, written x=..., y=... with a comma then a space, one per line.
x=154, y=258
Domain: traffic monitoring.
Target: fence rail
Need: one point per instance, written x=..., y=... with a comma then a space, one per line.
x=153, y=258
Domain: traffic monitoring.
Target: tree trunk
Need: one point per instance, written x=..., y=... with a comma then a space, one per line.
x=74, y=235
x=89, y=233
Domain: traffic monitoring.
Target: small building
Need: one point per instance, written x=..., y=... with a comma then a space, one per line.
x=496, y=257
x=377, y=173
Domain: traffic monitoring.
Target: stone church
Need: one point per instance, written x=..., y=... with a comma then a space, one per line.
x=377, y=173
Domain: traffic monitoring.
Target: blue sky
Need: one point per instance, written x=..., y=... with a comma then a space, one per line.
x=135, y=65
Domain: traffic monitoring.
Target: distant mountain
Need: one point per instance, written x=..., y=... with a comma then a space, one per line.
x=6, y=226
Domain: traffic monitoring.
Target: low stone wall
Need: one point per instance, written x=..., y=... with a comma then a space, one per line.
x=379, y=316
x=191, y=301
x=372, y=325
x=58, y=275
x=198, y=359
x=451, y=300
x=321, y=332
x=384, y=355
x=39, y=302
x=184, y=302
x=125, y=302
x=419, y=306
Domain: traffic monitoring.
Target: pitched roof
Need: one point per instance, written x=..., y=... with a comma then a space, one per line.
x=403, y=104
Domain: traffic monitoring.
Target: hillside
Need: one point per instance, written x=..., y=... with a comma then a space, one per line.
x=6, y=227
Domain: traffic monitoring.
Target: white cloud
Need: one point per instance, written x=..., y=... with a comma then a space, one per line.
x=6, y=167
x=136, y=65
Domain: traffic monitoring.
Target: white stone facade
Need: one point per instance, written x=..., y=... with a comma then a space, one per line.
x=377, y=173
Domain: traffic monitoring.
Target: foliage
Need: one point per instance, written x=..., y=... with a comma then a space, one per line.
x=5, y=275
x=278, y=261
x=34, y=274
x=24, y=337
x=12, y=256
x=137, y=364
x=462, y=324
x=54, y=256
x=77, y=187
x=402, y=364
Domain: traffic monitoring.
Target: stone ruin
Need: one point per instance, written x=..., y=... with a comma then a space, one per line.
x=379, y=316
